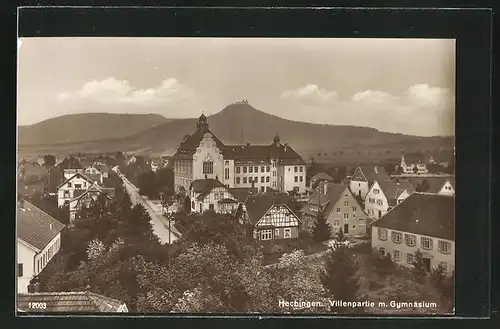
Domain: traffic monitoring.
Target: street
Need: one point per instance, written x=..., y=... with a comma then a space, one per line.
x=158, y=222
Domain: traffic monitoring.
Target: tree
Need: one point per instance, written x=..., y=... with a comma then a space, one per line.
x=49, y=160
x=95, y=249
x=419, y=271
x=321, y=230
x=340, y=274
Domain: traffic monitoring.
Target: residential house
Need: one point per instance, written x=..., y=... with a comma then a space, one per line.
x=66, y=190
x=320, y=203
x=84, y=198
x=103, y=169
x=416, y=166
x=347, y=214
x=385, y=195
x=69, y=302
x=212, y=195
x=94, y=173
x=270, y=217
x=319, y=177
x=434, y=185
x=364, y=177
x=275, y=166
x=68, y=173
x=38, y=240
x=424, y=222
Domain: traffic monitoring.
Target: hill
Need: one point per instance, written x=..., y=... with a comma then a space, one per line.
x=86, y=127
x=241, y=123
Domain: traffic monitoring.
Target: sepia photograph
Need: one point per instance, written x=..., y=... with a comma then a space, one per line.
x=198, y=175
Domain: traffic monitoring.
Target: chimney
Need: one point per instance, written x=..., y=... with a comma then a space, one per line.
x=376, y=170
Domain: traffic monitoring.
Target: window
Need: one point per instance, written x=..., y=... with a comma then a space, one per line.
x=426, y=243
x=276, y=232
x=338, y=209
x=66, y=194
x=296, y=178
x=336, y=223
x=250, y=169
x=346, y=203
x=371, y=200
x=226, y=173
x=256, y=179
x=376, y=191
x=78, y=186
x=208, y=167
x=244, y=170
x=274, y=173
x=237, y=180
x=397, y=255
x=20, y=270
x=444, y=247
x=211, y=207
x=267, y=179
x=301, y=178
x=288, y=233
x=301, y=169
x=410, y=240
x=262, y=169
x=268, y=169
x=262, y=188
x=295, y=169
x=346, y=216
x=244, y=180
x=256, y=169
x=397, y=237
x=353, y=209
x=69, y=184
x=382, y=233
x=238, y=169
x=409, y=258
x=262, y=179
x=266, y=235
x=380, y=202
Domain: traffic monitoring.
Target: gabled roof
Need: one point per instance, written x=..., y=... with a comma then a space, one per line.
x=393, y=190
x=435, y=184
x=241, y=193
x=82, y=175
x=322, y=176
x=258, y=205
x=84, y=301
x=425, y=214
x=374, y=173
x=191, y=142
x=205, y=185
x=35, y=227
x=333, y=193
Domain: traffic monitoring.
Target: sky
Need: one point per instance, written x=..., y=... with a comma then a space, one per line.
x=395, y=85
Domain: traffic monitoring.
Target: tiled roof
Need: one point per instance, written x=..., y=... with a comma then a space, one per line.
x=286, y=154
x=257, y=205
x=435, y=183
x=205, y=185
x=191, y=142
x=393, y=190
x=36, y=227
x=333, y=193
x=375, y=173
x=426, y=214
x=242, y=193
x=321, y=176
x=84, y=301
x=75, y=175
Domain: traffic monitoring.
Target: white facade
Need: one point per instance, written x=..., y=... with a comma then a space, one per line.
x=33, y=261
x=421, y=168
x=94, y=171
x=66, y=190
x=402, y=247
x=376, y=203
x=211, y=200
x=358, y=184
x=447, y=189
